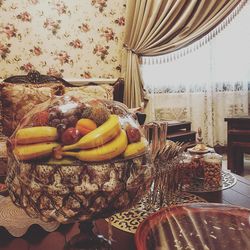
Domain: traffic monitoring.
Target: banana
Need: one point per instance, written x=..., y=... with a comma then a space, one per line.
x=32, y=151
x=64, y=161
x=104, y=133
x=135, y=148
x=36, y=135
x=106, y=152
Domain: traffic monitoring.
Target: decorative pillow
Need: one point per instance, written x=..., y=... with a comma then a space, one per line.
x=88, y=92
x=18, y=99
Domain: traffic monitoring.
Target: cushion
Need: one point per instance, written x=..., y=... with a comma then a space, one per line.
x=18, y=99
x=88, y=92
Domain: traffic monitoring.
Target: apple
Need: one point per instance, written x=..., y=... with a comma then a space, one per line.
x=70, y=136
x=133, y=134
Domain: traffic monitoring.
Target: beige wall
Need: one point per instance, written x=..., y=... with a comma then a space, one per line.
x=72, y=39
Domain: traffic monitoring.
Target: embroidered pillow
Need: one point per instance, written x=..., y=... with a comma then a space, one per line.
x=88, y=92
x=18, y=99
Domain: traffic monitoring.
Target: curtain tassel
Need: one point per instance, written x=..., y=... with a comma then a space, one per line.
x=193, y=47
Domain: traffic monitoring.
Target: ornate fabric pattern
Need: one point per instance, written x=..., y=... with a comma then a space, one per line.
x=71, y=39
x=102, y=91
x=18, y=99
x=86, y=191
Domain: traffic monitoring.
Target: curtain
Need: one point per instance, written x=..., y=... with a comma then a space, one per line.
x=156, y=27
x=204, y=86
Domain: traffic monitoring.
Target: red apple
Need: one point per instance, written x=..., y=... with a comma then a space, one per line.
x=70, y=136
x=133, y=134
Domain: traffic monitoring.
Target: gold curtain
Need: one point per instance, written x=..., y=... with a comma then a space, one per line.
x=157, y=27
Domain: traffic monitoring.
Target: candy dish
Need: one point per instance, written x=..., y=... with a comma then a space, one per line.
x=200, y=151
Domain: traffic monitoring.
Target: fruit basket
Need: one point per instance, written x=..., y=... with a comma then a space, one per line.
x=74, y=161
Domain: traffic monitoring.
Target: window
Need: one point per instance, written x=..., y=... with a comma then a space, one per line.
x=205, y=85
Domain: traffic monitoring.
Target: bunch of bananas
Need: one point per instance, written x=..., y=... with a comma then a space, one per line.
x=106, y=142
x=35, y=142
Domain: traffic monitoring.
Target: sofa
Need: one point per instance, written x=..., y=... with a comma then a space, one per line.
x=21, y=93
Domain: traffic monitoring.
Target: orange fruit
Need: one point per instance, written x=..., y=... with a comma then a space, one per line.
x=85, y=126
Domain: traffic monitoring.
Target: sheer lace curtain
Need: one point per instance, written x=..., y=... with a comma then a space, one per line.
x=205, y=85
x=155, y=28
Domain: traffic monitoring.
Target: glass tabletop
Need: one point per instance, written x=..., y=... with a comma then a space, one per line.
x=196, y=226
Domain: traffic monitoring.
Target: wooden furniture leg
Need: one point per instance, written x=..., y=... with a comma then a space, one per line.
x=238, y=142
x=238, y=160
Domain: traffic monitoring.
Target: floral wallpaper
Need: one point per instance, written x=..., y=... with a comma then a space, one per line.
x=71, y=39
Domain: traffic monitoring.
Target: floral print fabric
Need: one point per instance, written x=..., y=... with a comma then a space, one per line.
x=70, y=39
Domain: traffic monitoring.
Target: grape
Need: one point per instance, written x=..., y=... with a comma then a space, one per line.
x=69, y=113
x=54, y=122
x=72, y=120
x=78, y=113
x=52, y=115
x=65, y=121
x=61, y=128
x=60, y=114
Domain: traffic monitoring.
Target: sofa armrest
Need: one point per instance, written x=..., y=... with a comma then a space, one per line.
x=118, y=90
x=118, y=96
x=141, y=117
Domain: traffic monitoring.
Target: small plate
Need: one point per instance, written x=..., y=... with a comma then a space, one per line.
x=206, y=150
x=196, y=226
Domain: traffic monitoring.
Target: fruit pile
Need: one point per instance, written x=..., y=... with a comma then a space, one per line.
x=86, y=131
